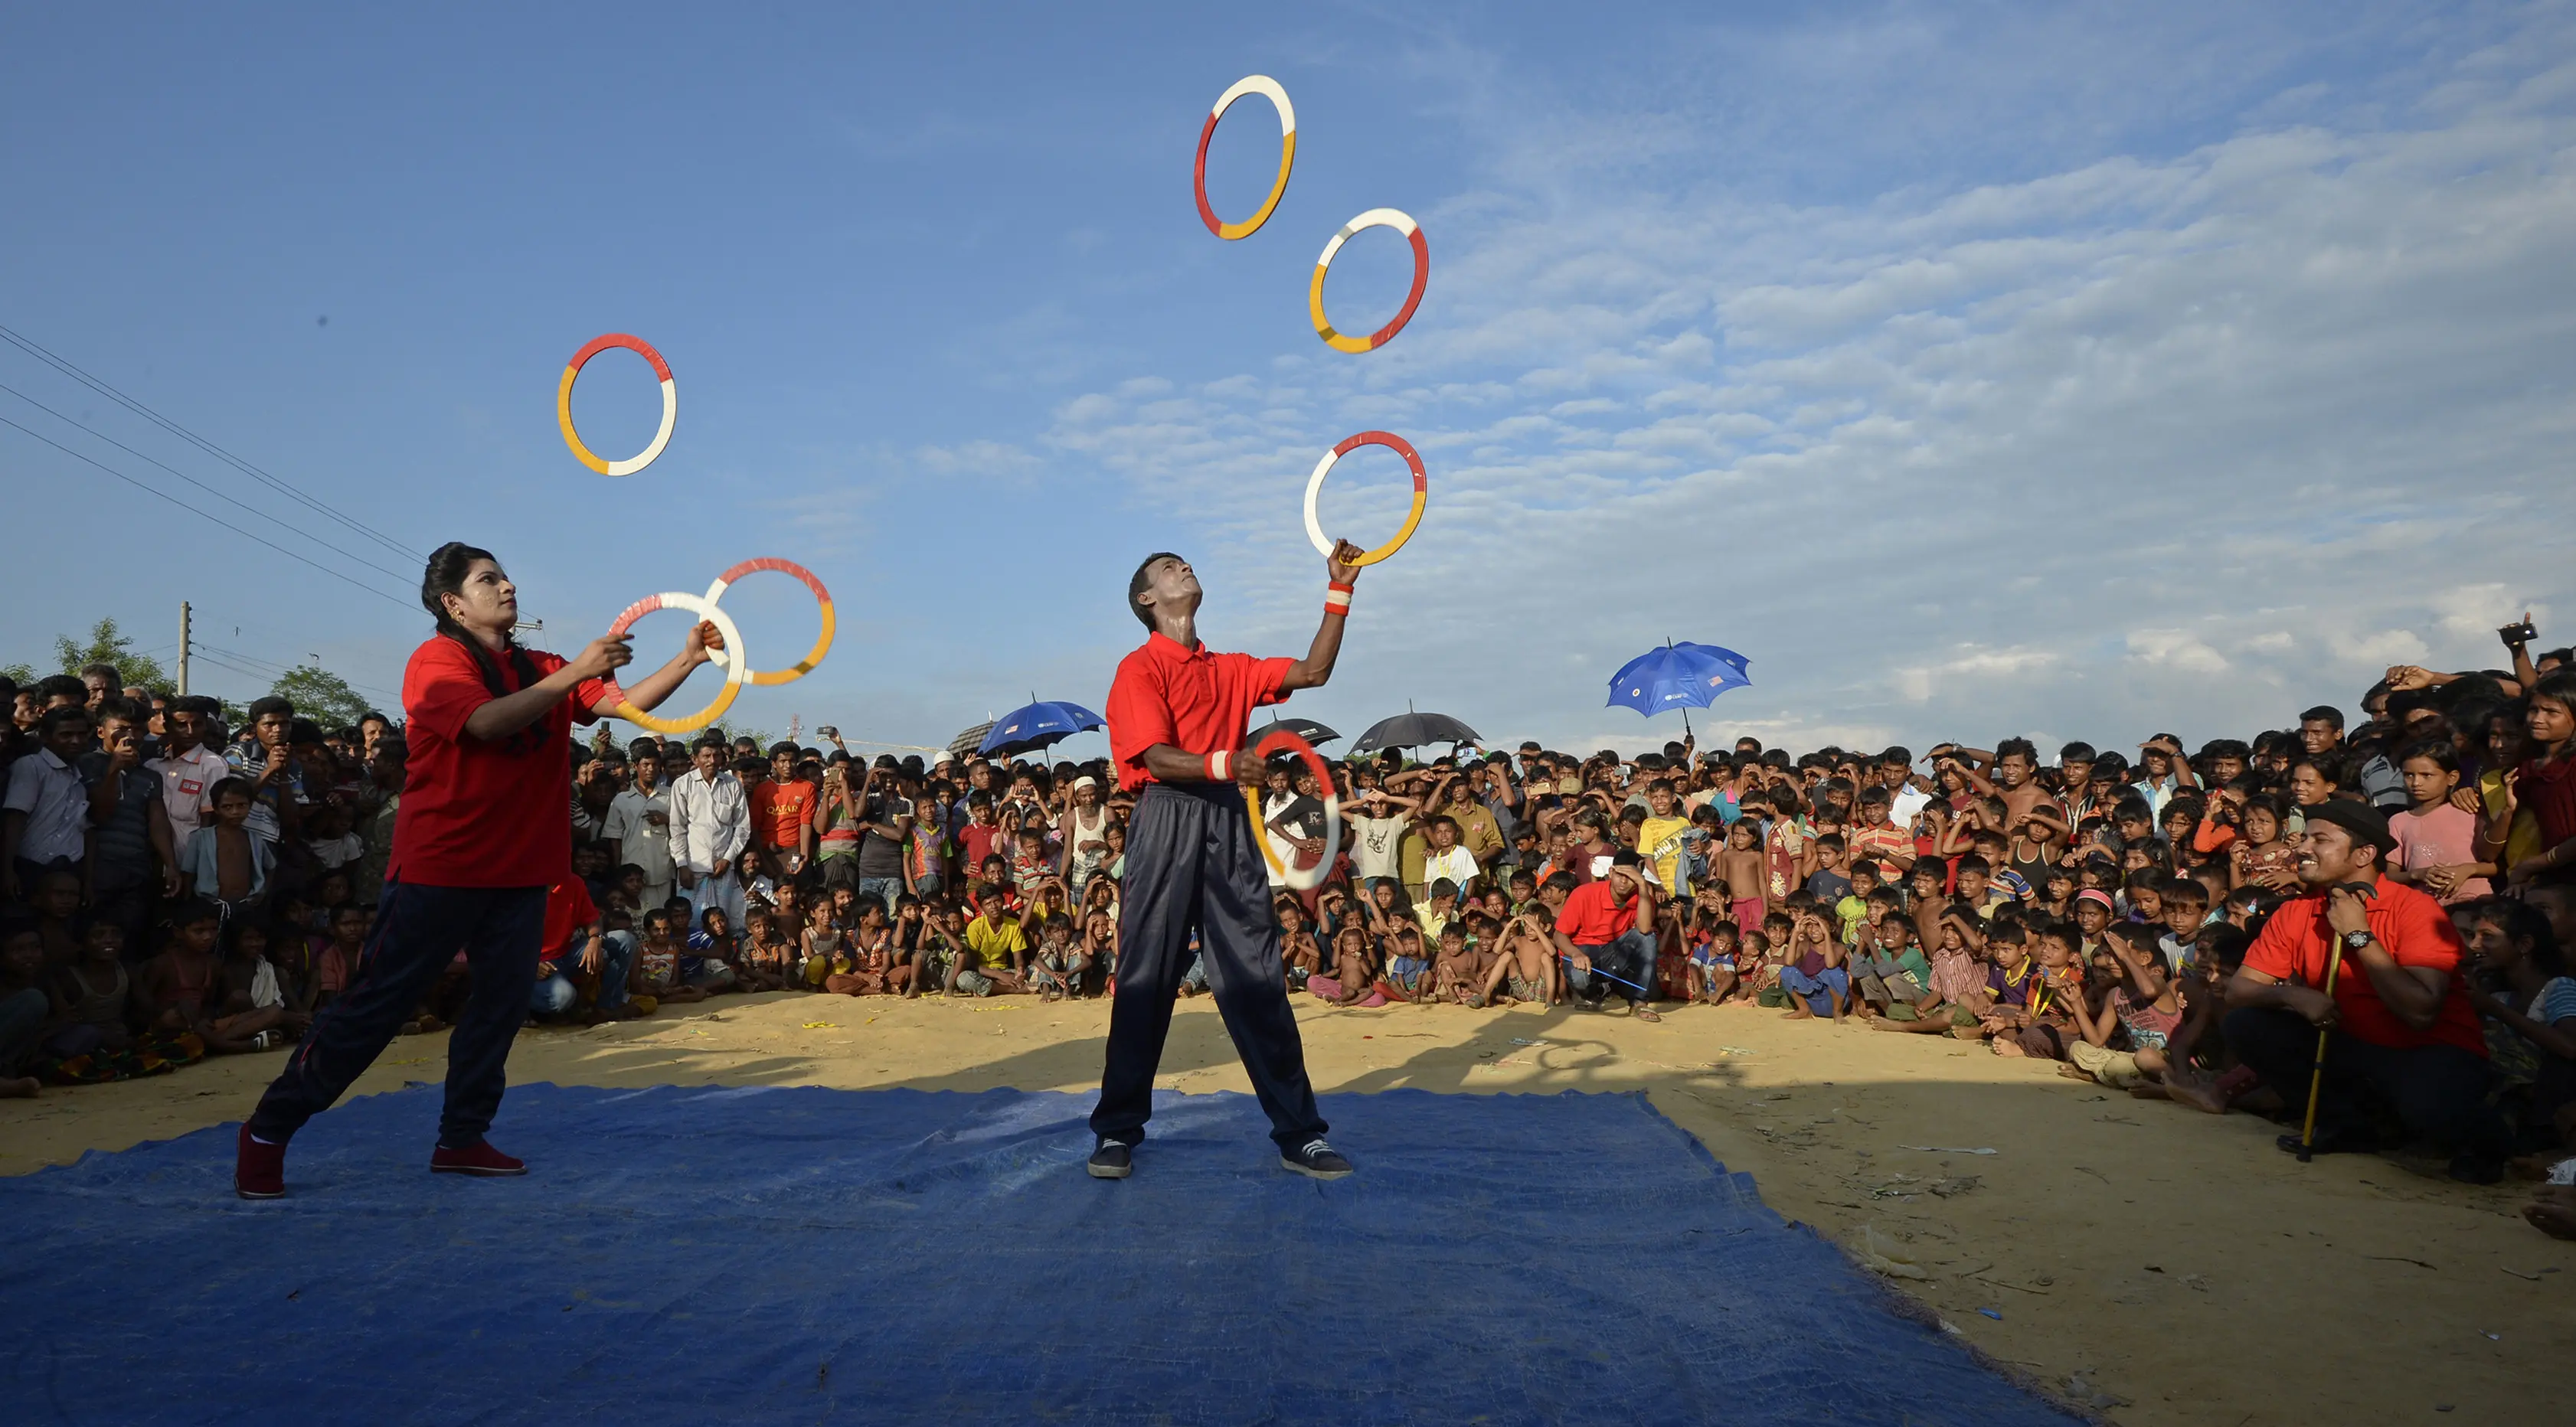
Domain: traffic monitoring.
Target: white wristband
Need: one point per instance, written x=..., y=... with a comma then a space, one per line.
x=1220, y=766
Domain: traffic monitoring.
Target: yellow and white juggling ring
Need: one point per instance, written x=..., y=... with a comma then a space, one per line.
x=670, y=404
x=1268, y=88
x=1374, y=218
x=733, y=657
x=1324, y=467
x=1305, y=879
x=822, y=600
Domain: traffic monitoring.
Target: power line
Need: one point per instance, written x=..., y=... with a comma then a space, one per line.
x=203, y=515
x=201, y=485
x=279, y=670
x=30, y=346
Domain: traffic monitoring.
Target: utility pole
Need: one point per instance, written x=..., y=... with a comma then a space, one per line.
x=183, y=649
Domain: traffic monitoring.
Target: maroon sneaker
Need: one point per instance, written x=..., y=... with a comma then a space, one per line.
x=476, y=1158
x=259, y=1171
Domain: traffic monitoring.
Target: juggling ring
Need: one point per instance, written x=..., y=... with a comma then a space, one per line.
x=1374, y=218
x=1269, y=89
x=733, y=657
x=822, y=601
x=1421, y=491
x=670, y=404
x=1292, y=878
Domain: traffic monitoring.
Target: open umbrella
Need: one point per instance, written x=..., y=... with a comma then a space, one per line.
x=1038, y=725
x=1412, y=730
x=1678, y=676
x=1305, y=728
x=967, y=742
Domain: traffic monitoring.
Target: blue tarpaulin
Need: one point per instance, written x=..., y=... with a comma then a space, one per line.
x=799, y=1255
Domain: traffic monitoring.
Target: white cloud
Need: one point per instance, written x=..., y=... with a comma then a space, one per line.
x=2176, y=649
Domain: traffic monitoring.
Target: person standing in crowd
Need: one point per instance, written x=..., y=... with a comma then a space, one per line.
x=481, y=834
x=710, y=830
x=44, y=817
x=1177, y=716
x=188, y=765
x=639, y=826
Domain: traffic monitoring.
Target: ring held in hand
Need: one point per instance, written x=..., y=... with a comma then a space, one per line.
x=1309, y=878
x=1421, y=492
x=822, y=600
x=670, y=404
x=1268, y=88
x=1374, y=218
x=733, y=656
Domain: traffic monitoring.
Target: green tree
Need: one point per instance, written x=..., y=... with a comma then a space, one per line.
x=321, y=696
x=107, y=645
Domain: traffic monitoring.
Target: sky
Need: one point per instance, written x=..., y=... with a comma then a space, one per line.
x=1978, y=369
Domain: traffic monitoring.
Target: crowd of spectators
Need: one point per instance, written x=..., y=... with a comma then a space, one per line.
x=2183, y=924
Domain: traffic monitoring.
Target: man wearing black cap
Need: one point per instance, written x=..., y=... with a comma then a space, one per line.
x=2401, y=1042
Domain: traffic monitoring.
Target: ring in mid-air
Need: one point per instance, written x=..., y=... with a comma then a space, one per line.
x=1374, y=218
x=1267, y=87
x=670, y=404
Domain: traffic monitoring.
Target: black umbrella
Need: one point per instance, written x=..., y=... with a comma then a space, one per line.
x=965, y=744
x=1412, y=730
x=1305, y=728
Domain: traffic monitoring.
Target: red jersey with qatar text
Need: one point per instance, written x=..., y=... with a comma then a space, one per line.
x=2297, y=942
x=1195, y=700
x=476, y=813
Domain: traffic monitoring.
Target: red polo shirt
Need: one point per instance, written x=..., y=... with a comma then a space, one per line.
x=478, y=814
x=2295, y=944
x=1591, y=917
x=568, y=910
x=1195, y=700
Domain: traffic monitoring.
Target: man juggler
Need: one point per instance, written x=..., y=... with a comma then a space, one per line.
x=1177, y=716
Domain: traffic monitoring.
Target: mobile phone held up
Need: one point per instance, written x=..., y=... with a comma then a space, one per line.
x=2518, y=633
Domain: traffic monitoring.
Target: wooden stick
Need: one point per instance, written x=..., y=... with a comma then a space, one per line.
x=2317, y=1077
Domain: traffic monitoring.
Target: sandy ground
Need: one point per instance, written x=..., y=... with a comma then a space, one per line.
x=2175, y=1266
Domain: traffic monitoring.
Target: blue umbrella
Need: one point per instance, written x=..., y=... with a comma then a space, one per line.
x=1037, y=726
x=1677, y=676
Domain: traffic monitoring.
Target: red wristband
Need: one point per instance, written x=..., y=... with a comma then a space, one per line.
x=1220, y=766
x=1337, y=598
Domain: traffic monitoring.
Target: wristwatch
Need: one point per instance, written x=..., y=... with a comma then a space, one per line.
x=2355, y=941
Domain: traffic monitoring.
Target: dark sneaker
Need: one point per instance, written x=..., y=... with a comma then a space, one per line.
x=478, y=1158
x=259, y=1171
x=1111, y=1161
x=1315, y=1160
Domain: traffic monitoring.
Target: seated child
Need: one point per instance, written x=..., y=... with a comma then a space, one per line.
x=2053, y=997
x=1456, y=970
x=1815, y=977
x=1715, y=941
x=1352, y=981
x=1892, y=975
x=2141, y=1006
x=827, y=953
x=657, y=963
x=1299, y=955
x=708, y=962
x=1525, y=968
x=1408, y=973
x=91, y=997
x=770, y=961
x=1057, y=967
x=185, y=992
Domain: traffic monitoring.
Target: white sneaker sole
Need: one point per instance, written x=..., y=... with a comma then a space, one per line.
x=1109, y=1171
